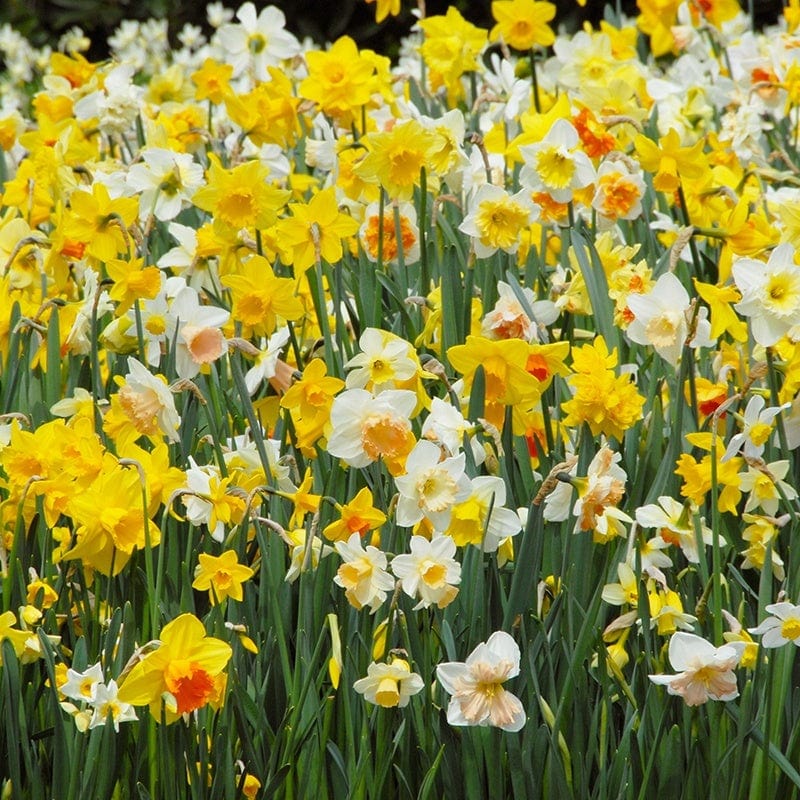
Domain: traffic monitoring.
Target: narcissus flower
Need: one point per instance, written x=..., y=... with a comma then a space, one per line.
x=556, y=165
x=481, y=519
x=522, y=24
x=148, y=402
x=429, y=572
x=476, y=686
x=184, y=673
x=389, y=685
x=670, y=162
x=384, y=361
x=496, y=219
x=366, y=428
x=358, y=516
x=340, y=80
x=315, y=230
x=395, y=157
x=430, y=486
x=610, y=404
x=384, y=8
x=241, y=197
x=404, y=235
x=450, y=48
x=363, y=574
x=661, y=319
x=222, y=576
x=99, y=222
x=757, y=427
x=782, y=627
x=770, y=293
x=704, y=671
x=259, y=40
x=676, y=525
x=107, y=704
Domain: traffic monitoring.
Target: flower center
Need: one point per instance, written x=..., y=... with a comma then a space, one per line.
x=759, y=433
x=436, y=489
x=387, y=695
x=204, y=344
x=237, y=208
x=662, y=330
x=189, y=684
x=384, y=435
x=555, y=167
x=790, y=629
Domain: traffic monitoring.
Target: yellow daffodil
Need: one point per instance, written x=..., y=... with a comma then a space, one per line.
x=184, y=673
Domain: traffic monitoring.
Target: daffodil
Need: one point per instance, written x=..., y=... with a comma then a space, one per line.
x=222, y=576
x=757, y=428
x=781, y=627
x=496, y=219
x=384, y=8
x=770, y=294
x=429, y=572
x=395, y=157
x=450, y=48
x=670, y=162
x=340, y=80
x=366, y=427
x=183, y=673
x=430, y=486
x=363, y=574
x=476, y=686
x=359, y=516
x=240, y=197
x=522, y=24
x=704, y=672
x=389, y=685
x=315, y=230
x=556, y=165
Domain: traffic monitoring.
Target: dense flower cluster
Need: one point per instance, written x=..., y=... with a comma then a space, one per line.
x=272, y=309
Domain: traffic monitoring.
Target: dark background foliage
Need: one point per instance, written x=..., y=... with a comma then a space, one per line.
x=43, y=21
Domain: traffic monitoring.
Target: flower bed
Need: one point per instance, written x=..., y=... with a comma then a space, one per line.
x=423, y=429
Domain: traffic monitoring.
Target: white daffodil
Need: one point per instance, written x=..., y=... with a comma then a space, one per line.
x=476, y=686
x=107, y=705
x=200, y=338
x=496, y=219
x=661, y=319
x=384, y=360
x=782, y=627
x=259, y=40
x=363, y=574
x=430, y=572
x=430, y=486
x=556, y=165
x=676, y=526
x=770, y=293
x=365, y=428
x=389, y=685
x=510, y=319
x=756, y=429
x=166, y=180
x=83, y=685
x=703, y=671
x=148, y=402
